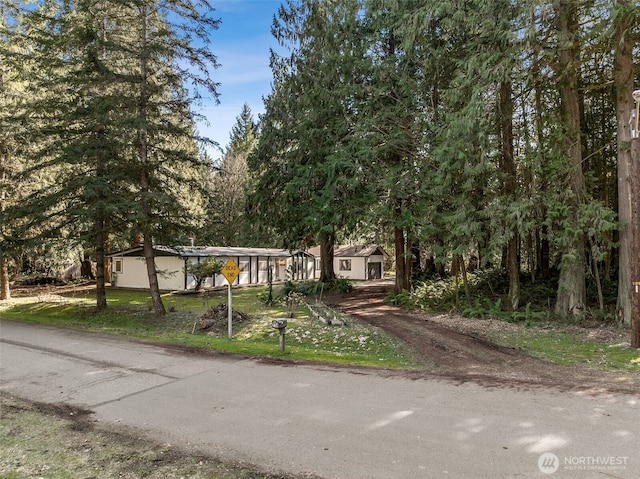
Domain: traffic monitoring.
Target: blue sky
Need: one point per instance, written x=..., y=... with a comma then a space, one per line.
x=242, y=46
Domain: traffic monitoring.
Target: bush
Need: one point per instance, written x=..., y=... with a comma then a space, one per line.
x=310, y=288
x=291, y=302
x=341, y=285
x=404, y=299
x=306, y=288
x=203, y=270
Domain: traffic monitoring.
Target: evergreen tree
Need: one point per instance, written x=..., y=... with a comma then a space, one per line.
x=227, y=201
x=75, y=107
x=167, y=37
x=229, y=185
x=244, y=133
x=116, y=164
x=7, y=146
x=571, y=298
x=395, y=119
x=308, y=172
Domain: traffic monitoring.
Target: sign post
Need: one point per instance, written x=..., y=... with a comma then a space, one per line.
x=230, y=271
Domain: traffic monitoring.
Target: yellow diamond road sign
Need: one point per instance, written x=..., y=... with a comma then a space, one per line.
x=230, y=271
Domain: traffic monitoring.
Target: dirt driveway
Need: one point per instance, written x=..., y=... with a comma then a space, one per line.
x=457, y=348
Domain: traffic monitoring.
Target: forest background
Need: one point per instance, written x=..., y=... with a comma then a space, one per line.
x=493, y=134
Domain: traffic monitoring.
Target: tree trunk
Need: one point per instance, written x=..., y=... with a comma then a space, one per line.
x=623, y=79
x=416, y=260
x=154, y=289
x=327, y=245
x=101, y=292
x=100, y=225
x=545, y=253
x=439, y=263
x=465, y=282
x=5, y=290
x=596, y=272
x=505, y=110
x=571, y=295
x=408, y=262
x=513, y=269
x=400, y=259
x=145, y=183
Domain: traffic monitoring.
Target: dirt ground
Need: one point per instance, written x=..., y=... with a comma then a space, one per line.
x=459, y=349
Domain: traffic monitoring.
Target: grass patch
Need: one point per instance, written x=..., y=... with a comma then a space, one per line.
x=59, y=442
x=307, y=338
x=562, y=348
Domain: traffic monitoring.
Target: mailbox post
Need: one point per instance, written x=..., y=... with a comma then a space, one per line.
x=281, y=326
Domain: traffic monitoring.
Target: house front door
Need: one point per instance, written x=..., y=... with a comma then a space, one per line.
x=375, y=271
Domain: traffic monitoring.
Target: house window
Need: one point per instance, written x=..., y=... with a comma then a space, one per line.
x=318, y=263
x=244, y=265
x=345, y=265
x=117, y=266
x=262, y=265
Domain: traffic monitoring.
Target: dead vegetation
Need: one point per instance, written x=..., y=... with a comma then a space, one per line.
x=215, y=320
x=40, y=440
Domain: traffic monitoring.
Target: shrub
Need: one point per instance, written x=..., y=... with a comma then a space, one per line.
x=403, y=299
x=203, y=270
x=291, y=301
x=341, y=285
x=305, y=288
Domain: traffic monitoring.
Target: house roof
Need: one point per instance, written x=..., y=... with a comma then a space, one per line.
x=352, y=251
x=206, y=251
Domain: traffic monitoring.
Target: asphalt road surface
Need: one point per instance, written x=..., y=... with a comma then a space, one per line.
x=332, y=422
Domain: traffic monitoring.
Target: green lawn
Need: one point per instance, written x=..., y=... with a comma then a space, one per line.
x=563, y=348
x=129, y=314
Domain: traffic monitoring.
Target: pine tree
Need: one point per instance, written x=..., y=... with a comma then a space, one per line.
x=116, y=165
x=244, y=133
x=162, y=147
x=308, y=171
x=229, y=185
x=74, y=107
x=571, y=297
x=393, y=125
x=6, y=147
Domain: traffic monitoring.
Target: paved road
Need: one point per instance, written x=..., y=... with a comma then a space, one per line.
x=331, y=422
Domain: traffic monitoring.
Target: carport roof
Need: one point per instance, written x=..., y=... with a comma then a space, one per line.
x=351, y=251
x=215, y=251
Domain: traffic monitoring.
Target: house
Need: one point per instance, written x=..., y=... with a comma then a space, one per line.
x=355, y=262
x=129, y=269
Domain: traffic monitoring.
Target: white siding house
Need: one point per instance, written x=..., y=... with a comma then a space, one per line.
x=129, y=267
x=355, y=262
